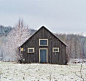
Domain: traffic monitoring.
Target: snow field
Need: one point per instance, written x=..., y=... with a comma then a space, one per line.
x=41, y=72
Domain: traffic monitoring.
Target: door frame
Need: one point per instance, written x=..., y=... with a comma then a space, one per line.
x=46, y=54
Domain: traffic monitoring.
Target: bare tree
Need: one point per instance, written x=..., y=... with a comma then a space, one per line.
x=15, y=38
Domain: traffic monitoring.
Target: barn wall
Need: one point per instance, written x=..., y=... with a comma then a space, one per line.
x=33, y=42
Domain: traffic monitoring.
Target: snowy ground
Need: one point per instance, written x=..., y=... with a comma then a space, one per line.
x=41, y=72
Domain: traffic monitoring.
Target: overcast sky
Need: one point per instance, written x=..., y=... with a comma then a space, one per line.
x=61, y=16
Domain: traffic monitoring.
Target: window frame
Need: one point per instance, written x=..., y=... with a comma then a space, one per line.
x=29, y=51
x=22, y=49
x=55, y=48
x=43, y=39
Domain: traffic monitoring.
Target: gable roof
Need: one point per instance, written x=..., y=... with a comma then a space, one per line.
x=48, y=31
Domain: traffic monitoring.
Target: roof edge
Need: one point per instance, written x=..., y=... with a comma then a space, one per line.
x=49, y=31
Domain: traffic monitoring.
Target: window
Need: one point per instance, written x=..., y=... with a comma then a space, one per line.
x=55, y=49
x=22, y=49
x=30, y=50
x=43, y=42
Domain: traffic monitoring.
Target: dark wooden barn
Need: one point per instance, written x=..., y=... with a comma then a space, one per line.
x=43, y=47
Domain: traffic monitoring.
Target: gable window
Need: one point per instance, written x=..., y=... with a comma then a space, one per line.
x=22, y=49
x=43, y=42
x=55, y=49
x=30, y=50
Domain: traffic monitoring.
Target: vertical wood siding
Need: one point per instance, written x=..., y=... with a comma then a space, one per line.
x=33, y=42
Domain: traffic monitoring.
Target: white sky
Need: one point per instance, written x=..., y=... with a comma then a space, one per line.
x=61, y=16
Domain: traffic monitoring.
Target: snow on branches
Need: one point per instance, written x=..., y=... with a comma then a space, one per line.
x=18, y=35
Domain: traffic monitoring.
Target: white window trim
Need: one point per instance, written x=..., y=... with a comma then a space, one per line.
x=55, y=48
x=29, y=51
x=43, y=39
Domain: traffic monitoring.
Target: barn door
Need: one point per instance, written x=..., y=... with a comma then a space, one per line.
x=43, y=55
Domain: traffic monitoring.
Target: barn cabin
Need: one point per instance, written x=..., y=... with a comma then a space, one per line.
x=43, y=47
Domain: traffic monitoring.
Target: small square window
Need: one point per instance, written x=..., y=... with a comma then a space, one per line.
x=30, y=50
x=43, y=42
x=22, y=49
x=55, y=49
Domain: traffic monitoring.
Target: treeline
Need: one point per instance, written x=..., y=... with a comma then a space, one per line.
x=10, y=40
x=76, y=45
x=4, y=30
